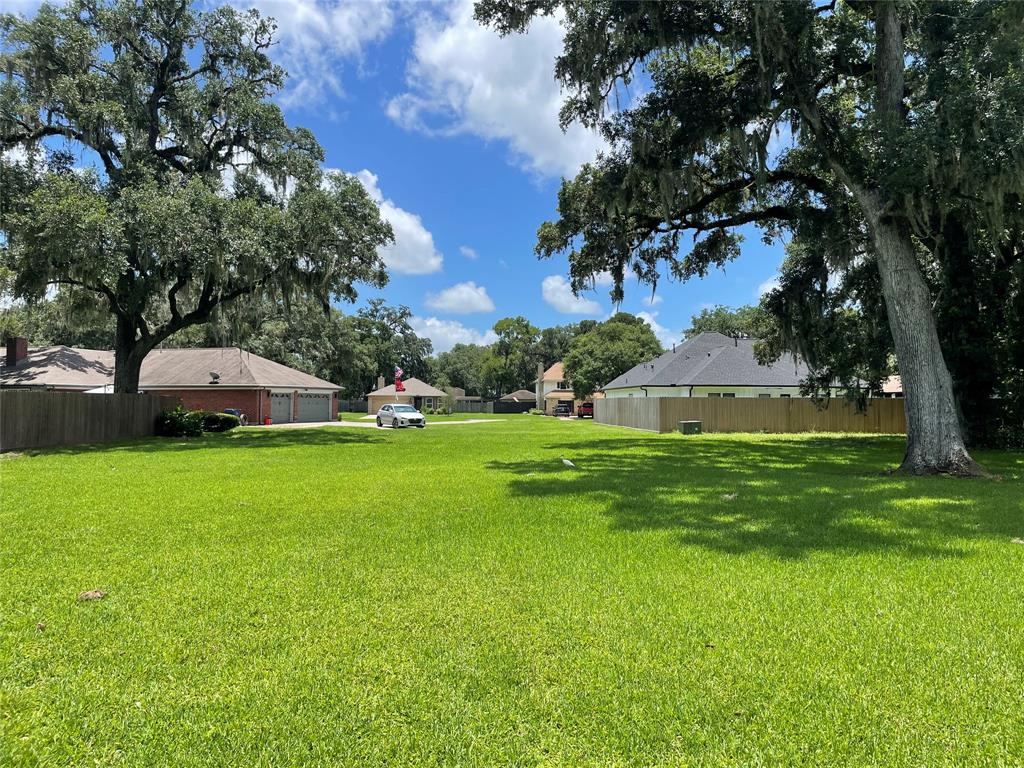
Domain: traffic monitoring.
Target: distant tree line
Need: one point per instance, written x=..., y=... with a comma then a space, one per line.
x=352, y=350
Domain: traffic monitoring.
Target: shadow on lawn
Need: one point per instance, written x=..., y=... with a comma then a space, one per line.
x=246, y=438
x=783, y=497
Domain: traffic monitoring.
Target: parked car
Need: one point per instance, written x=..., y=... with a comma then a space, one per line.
x=242, y=418
x=585, y=409
x=563, y=408
x=400, y=415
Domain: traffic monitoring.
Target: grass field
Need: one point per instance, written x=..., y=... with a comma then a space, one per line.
x=459, y=597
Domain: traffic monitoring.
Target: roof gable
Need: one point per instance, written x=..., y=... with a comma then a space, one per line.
x=555, y=373
x=413, y=387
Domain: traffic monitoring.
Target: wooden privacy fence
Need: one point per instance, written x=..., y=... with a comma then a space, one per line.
x=751, y=414
x=41, y=419
x=473, y=406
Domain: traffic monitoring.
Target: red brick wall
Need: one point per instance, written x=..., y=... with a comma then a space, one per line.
x=254, y=403
x=248, y=400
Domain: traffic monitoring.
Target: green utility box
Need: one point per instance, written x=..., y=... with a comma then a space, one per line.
x=689, y=427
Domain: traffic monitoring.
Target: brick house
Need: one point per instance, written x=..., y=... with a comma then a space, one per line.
x=209, y=379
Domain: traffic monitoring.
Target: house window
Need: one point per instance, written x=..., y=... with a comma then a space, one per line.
x=783, y=395
x=764, y=396
x=728, y=394
x=714, y=394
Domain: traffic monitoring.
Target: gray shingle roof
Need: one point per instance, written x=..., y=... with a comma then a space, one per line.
x=712, y=359
x=65, y=367
x=61, y=367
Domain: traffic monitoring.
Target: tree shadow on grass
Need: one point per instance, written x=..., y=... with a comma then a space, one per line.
x=783, y=497
x=252, y=438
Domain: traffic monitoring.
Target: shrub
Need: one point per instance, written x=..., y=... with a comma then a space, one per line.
x=219, y=422
x=535, y=412
x=178, y=422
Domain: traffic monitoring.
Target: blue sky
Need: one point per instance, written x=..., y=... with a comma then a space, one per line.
x=455, y=131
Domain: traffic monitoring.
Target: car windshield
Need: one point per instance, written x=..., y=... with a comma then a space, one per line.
x=405, y=409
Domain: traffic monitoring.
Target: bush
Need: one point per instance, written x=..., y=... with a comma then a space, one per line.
x=535, y=412
x=178, y=422
x=219, y=422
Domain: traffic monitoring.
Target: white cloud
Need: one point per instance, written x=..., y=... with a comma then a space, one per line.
x=461, y=299
x=19, y=154
x=465, y=78
x=558, y=293
x=315, y=42
x=445, y=334
x=413, y=252
x=665, y=336
x=469, y=253
x=768, y=285
x=652, y=301
x=25, y=8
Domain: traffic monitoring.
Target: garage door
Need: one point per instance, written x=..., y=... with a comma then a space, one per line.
x=314, y=407
x=281, y=408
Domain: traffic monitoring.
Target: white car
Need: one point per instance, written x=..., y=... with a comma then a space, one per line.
x=400, y=415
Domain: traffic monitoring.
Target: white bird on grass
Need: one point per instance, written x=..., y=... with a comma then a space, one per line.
x=568, y=463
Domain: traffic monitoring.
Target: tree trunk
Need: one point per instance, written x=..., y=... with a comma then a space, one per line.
x=935, y=442
x=129, y=352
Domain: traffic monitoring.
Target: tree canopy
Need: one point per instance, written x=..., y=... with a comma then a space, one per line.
x=461, y=366
x=855, y=126
x=512, y=360
x=198, y=191
x=608, y=350
x=749, y=321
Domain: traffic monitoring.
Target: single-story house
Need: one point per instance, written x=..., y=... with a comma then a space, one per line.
x=710, y=365
x=417, y=393
x=209, y=379
x=553, y=388
x=520, y=396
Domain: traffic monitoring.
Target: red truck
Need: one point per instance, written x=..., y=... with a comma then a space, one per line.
x=585, y=409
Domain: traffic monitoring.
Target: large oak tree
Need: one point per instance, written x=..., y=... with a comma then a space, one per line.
x=854, y=84
x=195, y=191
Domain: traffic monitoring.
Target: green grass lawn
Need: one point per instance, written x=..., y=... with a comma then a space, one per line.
x=459, y=597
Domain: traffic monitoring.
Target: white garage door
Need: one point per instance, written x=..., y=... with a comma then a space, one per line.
x=281, y=408
x=314, y=407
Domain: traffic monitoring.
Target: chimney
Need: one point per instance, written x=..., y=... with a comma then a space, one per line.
x=17, y=350
x=380, y=382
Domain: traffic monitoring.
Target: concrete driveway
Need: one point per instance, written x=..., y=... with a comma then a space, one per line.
x=372, y=424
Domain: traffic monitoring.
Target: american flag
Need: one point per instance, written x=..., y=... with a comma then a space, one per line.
x=399, y=386
x=399, y=373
